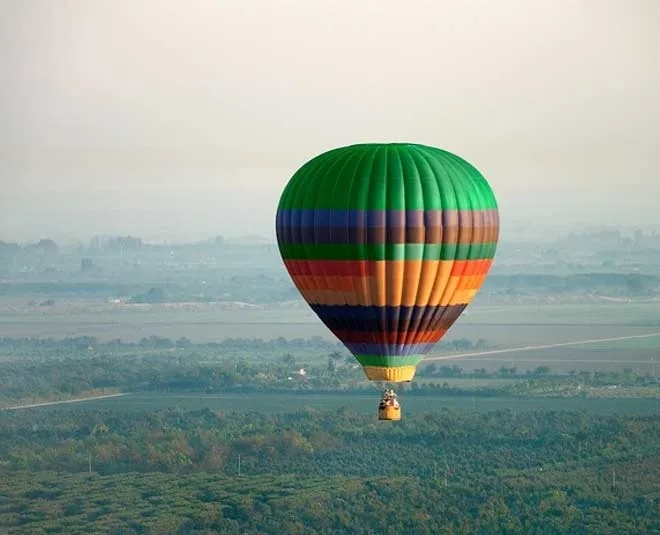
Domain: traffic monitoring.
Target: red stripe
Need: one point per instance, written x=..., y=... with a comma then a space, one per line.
x=468, y=268
x=364, y=268
x=369, y=337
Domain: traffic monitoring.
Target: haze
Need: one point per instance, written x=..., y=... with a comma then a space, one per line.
x=182, y=120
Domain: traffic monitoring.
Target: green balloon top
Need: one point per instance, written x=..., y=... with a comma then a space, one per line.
x=388, y=176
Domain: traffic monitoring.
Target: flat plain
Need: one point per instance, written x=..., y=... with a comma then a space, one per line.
x=363, y=403
x=506, y=326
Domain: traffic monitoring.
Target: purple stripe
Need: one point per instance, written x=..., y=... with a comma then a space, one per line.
x=389, y=350
x=379, y=226
x=377, y=218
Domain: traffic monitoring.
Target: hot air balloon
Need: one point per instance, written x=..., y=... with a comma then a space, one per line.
x=388, y=243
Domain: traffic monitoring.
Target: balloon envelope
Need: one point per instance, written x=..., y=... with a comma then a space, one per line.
x=388, y=243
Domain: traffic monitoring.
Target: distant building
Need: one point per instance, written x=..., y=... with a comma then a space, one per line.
x=86, y=265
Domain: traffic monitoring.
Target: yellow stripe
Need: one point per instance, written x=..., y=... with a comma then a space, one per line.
x=461, y=290
x=391, y=375
x=447, y=297
x=463, y=297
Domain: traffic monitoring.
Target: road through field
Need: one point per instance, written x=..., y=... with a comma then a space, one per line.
x=62, y=401
x=536, y=347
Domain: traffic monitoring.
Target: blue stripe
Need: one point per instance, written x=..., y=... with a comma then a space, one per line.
x=387, y=318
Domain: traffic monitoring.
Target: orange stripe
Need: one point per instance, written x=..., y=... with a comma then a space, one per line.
x=377, y=285
x=413, y=271
x=427, y=280
x=441, y=281
x=395, y=283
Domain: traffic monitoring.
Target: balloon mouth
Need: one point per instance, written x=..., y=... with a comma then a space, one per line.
x=400, y=374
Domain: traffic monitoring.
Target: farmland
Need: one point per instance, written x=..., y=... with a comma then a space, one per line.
x=361, y=403
x=502, y=327
x=228, y=407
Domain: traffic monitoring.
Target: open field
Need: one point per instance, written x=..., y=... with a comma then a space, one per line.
x=563, y=360
x=587, y=354
x=212, y=321
x=615, y=313
x=289, y=402
x=502, y=327
x=496, y=336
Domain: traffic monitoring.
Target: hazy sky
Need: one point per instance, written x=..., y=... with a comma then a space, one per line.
x=179, y=120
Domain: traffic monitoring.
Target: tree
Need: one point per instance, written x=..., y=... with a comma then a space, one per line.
x=288, y=360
